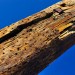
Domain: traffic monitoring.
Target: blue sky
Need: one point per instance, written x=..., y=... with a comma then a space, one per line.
x=14, y=10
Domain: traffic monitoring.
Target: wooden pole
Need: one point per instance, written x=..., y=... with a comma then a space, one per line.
x=29, y=45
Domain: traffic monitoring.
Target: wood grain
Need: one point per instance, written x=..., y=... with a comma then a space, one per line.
x=29, y=45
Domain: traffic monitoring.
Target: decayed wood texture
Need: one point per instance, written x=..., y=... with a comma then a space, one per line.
x=29, y=45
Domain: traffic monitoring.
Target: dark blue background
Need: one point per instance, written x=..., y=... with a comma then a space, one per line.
x=14, y=10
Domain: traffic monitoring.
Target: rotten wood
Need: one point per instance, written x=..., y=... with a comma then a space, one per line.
x=29, y=45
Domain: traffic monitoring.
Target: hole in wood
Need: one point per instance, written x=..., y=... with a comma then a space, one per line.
x=63, y=5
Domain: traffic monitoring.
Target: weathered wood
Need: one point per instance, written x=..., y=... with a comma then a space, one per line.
x=29, y=45
x=69, y=2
